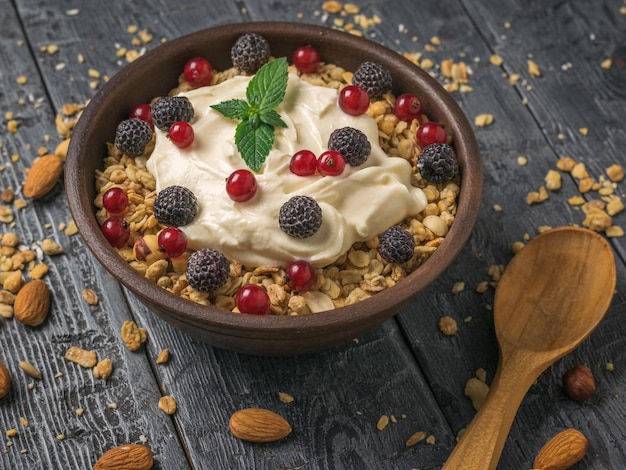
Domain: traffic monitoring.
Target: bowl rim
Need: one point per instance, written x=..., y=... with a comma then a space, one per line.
x=271, y=326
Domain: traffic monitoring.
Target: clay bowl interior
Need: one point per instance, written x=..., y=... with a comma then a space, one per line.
x=157, y=72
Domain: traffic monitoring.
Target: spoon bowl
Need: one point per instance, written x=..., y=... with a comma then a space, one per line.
x=550, y=298
x=556, y=292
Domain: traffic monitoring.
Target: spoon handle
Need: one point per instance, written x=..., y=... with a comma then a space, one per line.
x=481, y=445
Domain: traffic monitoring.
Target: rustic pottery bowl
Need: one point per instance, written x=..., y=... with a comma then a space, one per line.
x=157, y=72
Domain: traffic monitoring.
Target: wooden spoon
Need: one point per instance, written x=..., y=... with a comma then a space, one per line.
x=551, y=296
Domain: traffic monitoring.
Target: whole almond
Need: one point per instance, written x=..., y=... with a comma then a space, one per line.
x=5, y=381
x=32, y=303
x=258, y=425
x=126, y=457
x=562, y=451
x=43, y=175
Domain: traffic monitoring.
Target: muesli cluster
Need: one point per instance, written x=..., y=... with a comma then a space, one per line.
x=152, y=227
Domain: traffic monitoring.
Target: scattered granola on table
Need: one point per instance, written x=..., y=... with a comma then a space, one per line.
x=598, y=211
x=163, y=357
x=167, y=404
x=133, y=336
x=103, y=369
x=82, y=357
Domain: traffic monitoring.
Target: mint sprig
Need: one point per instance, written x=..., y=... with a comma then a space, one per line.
x=254, y=135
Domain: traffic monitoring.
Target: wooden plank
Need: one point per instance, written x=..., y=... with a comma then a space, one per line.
x=334, y=421
x=515, y=133
x=546, y=410
x=576, y=101
x=98, y=40
x=122, y=409
x=339, y=395
x=339, y=418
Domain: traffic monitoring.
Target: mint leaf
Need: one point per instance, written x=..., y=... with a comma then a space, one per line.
x=272, y=118
x=254, y=135
x=267, y=88
x=254, y=143
x=233, y=109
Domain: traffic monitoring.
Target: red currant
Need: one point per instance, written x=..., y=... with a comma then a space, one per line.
x=115, y=200
x=116, y=231
x=431, y=133
x=241, y=185
x=181, y=134
x=172, y=241
x=353, y=100
x=303, y=163
x=408, y=107
x=300, y=276
x=198, y=72
x=142, y=111
x=331, y=163
x=306, y=59
x=252, y=299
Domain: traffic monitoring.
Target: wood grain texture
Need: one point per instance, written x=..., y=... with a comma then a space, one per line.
x=339, y=397
x=50, y=406
x=406, y=368
x=506, y=185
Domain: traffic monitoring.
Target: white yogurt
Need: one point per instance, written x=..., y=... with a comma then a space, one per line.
x=357, y=205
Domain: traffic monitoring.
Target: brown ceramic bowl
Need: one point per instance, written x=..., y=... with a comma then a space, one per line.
x=156, y=73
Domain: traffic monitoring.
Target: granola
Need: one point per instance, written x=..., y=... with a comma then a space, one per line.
x=356, y=275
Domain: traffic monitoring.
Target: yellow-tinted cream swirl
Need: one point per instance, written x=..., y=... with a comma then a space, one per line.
x=357, y=205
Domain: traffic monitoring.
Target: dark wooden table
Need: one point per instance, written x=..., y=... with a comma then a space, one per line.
x=53, y=53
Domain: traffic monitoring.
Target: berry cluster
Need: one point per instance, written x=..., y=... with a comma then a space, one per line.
x=370, y=81
x=173, y=114
x=168, y=113
x=173, y=206
x=301, y=216
x=170, y=109
x=115, y=229
x=305, y=163
x=345, y=145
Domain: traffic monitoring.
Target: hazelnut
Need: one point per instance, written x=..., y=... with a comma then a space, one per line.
x=147, y=249
x=578, y=383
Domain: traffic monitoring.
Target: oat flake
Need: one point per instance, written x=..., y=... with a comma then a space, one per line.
x=285, y=397
x=415, y=438
x=383, y=421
